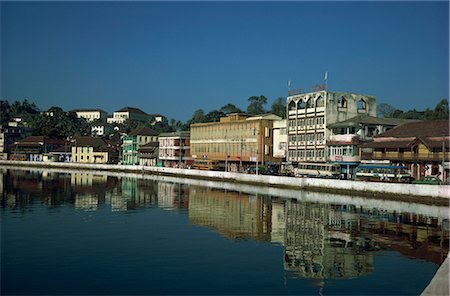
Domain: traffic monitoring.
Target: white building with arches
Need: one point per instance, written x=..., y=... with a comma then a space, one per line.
x=310, y=114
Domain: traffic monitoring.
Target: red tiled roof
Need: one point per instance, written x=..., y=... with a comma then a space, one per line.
x=422, y=129
x=132, y=110
x=143, y=131
x=89, y=142
x=390, y=144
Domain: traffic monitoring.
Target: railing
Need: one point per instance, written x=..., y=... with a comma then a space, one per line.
x=415, y=157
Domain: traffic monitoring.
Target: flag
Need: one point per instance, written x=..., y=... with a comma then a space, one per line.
x=326, y=76
x=289, y=83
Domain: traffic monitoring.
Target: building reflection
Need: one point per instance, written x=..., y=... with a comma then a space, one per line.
x=319, y=240
x=233, y=214
x=318, y=243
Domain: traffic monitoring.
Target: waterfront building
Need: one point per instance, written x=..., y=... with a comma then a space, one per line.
x=148, y=154
x=91, y=114
x=33, y=148
x=280, y=139
x=347, y=136
x=62, y=154
x=310, y=114
x=9, y=135
x=100, y=129
x=92, y=150
x=237, y=140
x=131, y=143
x=128, y=113
x=174, y=149
x=421, y=146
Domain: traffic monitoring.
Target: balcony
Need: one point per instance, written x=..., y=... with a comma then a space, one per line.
x=345, y=158
x=342, y=138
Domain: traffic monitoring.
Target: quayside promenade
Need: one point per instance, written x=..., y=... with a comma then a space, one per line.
x=428, y=194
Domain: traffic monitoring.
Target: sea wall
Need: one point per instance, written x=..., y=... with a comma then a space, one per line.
x=407, y=192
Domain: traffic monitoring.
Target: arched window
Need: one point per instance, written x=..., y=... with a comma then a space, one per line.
x=309, y=103
x=342, y=103
x=320, y=102
x=292, y=105
x=362, y=105
x=301, y=104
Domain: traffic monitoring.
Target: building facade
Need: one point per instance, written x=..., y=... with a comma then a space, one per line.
x=280, y=139
x=100, y=130
x=9, y=135
x=421, y=146
x=91, y=114
x=92, y=150
x=347, y=137
x=237, y=140
x=148, y=154
x=174, y=149
x=133, y=141
x=33, y=148
x=310, y=114
x=128, y=113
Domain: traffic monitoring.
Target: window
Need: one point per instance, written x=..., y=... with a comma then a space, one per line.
x=342, y=103
x=301, y=104
x=320, y=102
x=292, y=105
x=309, y=103
x=362, y=105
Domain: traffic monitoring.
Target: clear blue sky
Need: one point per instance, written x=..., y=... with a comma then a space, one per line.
x=175, y=57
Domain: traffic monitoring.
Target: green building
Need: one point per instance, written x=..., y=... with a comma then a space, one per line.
x=131, y=143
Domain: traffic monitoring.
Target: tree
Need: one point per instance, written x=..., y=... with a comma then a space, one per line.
x=442, y=110
x=198, y=116
x=279, y=107
x=230, y=108
x=214, y=116
x=5, y=112
x=386, y=110
x=256, y=105
x=56, y=123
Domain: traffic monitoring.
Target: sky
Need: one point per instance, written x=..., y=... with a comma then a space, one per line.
x=173, y=58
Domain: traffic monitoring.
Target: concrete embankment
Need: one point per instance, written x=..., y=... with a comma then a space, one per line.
x=439, y=285
x=428, y=194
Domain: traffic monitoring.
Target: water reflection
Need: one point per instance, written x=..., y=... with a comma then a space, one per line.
x=319, y=240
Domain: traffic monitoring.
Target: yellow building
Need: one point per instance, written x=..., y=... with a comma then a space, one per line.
x=236, y=139
x=92, y=150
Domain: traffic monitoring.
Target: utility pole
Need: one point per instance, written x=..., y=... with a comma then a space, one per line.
x=240, y=157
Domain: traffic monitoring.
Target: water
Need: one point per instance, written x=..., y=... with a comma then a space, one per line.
x=89, y=233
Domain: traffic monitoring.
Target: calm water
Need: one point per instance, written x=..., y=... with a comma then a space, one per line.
x=82, y=233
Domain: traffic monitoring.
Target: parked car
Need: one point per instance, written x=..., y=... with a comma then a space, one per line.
x=431, y=180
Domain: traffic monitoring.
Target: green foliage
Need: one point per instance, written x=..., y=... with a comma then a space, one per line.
x=256, y=105
x=56, y=123
x=385, y=110
x=24, y=110
x=279, y=107
x=230, y=108
x=441, y=111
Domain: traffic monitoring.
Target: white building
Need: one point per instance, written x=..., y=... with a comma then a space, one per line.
x=280, y=139
x=310, y=114
x=174, y=149
x=100, y=129
x=128, y=113
x=91, y=114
